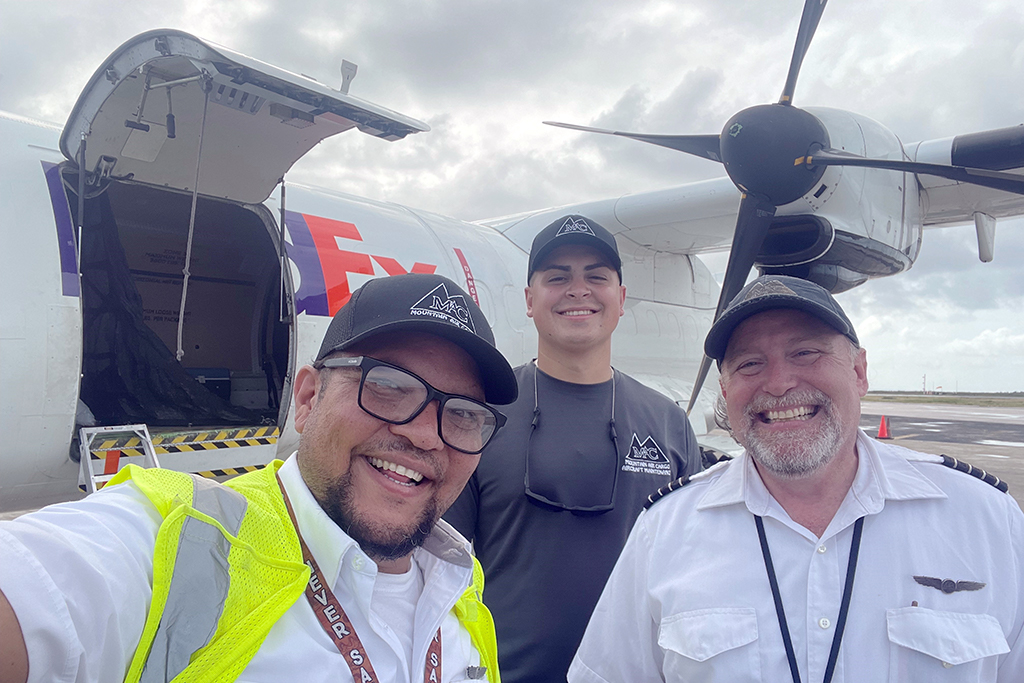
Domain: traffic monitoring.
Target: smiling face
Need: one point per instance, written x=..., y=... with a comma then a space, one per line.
x=575, y=300
x=385, y=485
x=792, y=387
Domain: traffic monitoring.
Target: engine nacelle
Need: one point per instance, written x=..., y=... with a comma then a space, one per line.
x=856, y=223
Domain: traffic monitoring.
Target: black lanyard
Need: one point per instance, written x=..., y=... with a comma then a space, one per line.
x=551, y=493
x=837, y=639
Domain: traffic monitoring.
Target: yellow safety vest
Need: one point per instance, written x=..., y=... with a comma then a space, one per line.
x=227, y=565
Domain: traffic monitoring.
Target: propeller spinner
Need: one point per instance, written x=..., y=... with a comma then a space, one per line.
x=758, y=146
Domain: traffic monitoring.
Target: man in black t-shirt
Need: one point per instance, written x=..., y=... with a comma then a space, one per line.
x=558, y=489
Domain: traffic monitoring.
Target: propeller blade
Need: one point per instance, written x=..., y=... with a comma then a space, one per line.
x=1008, y=182
x=702, y=374
x=699, y=145
x=808, y=25
x=752, y=223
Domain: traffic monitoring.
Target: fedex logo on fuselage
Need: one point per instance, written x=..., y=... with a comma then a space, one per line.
x=324, y=251
x=318, y=250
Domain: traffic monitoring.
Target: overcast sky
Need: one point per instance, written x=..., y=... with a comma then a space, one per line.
x=484, y=74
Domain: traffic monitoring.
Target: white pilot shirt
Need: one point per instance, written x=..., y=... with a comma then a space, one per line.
x=689, y=599
x=78, y=577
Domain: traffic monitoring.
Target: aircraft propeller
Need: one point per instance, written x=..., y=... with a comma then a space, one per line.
x=775, y=154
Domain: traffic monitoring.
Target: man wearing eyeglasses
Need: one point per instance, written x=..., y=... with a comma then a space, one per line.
x=558, y=489
x=332, y=564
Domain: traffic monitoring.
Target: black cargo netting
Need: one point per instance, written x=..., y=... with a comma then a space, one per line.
x=130, y=376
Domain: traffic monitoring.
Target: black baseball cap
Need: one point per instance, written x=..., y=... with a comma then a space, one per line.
x=423, y=303
x=776, y=291
x=573, y=229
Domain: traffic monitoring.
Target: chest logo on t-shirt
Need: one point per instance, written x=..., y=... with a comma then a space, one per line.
x=646, y=457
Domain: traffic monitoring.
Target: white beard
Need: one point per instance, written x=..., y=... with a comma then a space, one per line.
x=786, y=455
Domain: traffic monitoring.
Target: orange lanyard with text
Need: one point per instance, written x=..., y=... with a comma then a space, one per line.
x=337, y=625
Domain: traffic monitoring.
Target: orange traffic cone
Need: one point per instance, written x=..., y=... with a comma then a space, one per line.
x=883, y=429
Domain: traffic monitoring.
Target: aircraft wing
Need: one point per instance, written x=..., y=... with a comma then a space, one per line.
x=949, y=202
x=850, y=216
x=684, y=220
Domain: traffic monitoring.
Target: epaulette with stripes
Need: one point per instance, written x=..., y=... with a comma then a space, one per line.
x=666, y=489
x=682, y=481
x=976, y=472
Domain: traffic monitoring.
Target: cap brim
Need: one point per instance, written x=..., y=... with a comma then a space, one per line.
x=717, y=341
x=579, y=239
x=500, y=386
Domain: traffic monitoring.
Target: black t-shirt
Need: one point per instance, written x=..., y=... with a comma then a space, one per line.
x=545, y=566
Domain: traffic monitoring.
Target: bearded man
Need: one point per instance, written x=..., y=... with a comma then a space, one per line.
x=819, y=554
x=331, y=566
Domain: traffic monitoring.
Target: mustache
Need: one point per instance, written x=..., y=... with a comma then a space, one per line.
x=765, y=403
x=392, y=443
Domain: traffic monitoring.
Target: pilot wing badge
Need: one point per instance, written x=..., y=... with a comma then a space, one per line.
x=574, y=226
x=646, y=457
x=450, y=308
x=949, y=585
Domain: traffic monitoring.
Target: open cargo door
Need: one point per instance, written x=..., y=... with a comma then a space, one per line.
x=143, y=114
x=165, y=110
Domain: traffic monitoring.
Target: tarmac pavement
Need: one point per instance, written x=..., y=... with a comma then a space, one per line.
x=989, y=438
x=986, y=437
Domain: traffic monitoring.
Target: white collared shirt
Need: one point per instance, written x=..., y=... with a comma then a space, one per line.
x=78, y=576
x=689, y=599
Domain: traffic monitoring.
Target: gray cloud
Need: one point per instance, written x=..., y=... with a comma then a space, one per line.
x=484, y=74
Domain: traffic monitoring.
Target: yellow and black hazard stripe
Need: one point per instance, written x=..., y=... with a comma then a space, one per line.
x=209, y=474
x=212, y=440
x=189, y=442
x=230, y=471
x=111, y=450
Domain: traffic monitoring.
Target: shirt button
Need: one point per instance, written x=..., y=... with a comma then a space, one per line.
x=947, y=665
x=357, y=563
x=824, y=622
x=822, y=549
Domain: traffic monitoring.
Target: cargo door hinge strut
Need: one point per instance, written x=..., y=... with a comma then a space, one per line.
x=207, y=85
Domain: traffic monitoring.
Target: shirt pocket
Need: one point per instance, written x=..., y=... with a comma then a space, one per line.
x=932, y=646
x=711, y=644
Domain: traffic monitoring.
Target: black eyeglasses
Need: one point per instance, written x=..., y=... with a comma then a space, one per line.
x=394, y=395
